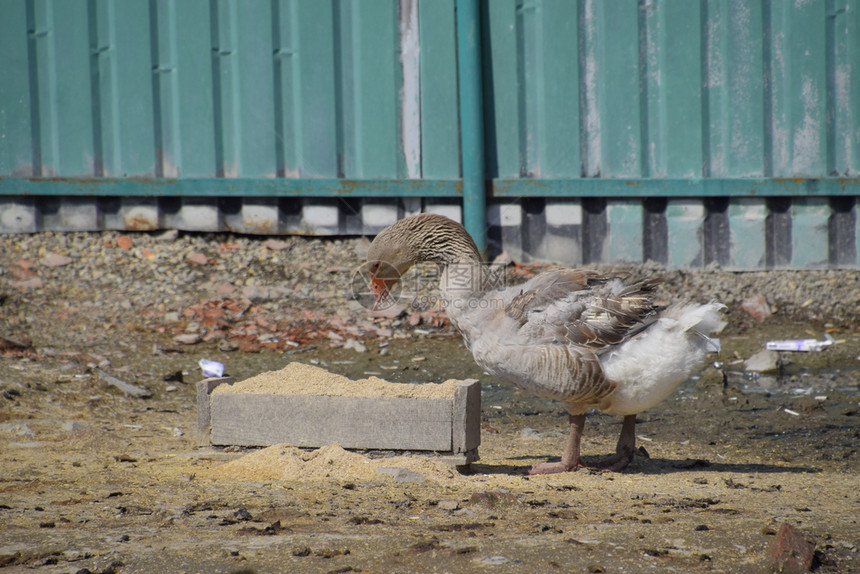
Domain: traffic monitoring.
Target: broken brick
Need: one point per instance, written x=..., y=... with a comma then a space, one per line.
x=791, y=552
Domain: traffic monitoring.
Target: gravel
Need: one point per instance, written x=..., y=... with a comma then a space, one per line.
x=96, y=478
x=250, y=293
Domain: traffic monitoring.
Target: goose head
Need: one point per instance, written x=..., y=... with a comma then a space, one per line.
x=415, y=239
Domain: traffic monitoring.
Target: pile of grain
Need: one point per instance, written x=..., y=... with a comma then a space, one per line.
x=284, y=463
x=301, y=379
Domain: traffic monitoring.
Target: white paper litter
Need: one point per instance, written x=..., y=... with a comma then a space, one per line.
x=799, y=344
x=211, y=368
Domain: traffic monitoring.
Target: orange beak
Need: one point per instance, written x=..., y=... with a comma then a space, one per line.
x=381, y=289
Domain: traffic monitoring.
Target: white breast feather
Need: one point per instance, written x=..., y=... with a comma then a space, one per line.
x=649, y=367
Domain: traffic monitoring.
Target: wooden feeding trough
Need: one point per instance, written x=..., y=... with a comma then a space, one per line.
x=306, y=406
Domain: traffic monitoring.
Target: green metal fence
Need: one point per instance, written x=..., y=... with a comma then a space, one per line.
x=685, y=131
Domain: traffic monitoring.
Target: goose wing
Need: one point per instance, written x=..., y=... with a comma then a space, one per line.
x=582, y=307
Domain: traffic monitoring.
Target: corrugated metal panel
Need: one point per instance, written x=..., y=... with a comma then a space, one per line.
x=673, y=88
x=440, y=129
x=16, y=134
x=751, y=104
x=222, y=88
x=576, y=88
x=683, y=131
x=301, y=88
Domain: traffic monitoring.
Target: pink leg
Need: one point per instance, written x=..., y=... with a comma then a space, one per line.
x=625, y=448
x=570, y=458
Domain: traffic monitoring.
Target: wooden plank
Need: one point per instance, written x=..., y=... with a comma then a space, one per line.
x=314, y=421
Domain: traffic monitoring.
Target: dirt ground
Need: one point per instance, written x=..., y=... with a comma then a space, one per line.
x=95, y=480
